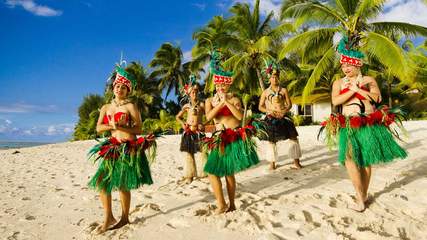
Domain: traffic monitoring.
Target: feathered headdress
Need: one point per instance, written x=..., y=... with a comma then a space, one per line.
x=188, y=85
x=219, y=75
x=347, y=48
x=271, y=67
x=124, y=77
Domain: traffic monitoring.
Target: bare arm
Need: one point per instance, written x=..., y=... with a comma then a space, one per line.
x=235, y=107
x=374, y=90
x=261, y=104
x=211, y=111
x=100, y=126
x=179, y=116
x=287, y=99
x=337, y=98
x=136, y=119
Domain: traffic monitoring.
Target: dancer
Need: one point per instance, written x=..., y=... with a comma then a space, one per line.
x=275, y=102
x=193, y=129
x=363, y=128
x=123, y=164
x=231, y=147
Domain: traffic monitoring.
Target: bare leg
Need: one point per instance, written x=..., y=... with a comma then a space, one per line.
x=125, y=202
x=273, y=156
x=109, y=218
x=231, y=190
x=366, y=177
x=356, y=178
x=189, y=168
x=219, y=196
x=202, y=159
x=295, y=152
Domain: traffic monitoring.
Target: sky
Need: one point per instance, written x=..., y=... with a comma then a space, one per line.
x=53, y=53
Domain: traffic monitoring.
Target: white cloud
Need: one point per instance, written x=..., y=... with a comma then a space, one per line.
x=266, y=6
x=26, y=108
x=187, y=56
x=201, y=6
x=5, y=125
x=34, y=8
x=410, y=11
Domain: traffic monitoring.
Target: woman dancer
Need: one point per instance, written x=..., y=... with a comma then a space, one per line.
x=123, y=165
x=363, y=127
x=231, y=147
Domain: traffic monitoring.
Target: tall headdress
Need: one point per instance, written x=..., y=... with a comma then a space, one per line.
x=220, y=76
x=271, y=68
x=188, y=85
x=347, y=48
x=124, y=77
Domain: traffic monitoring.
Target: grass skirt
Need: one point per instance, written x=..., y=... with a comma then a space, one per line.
x=122, y=166
x=190, y=141
x=368, y=145
x=231, y=151
x=367, y=139
x=279, y=129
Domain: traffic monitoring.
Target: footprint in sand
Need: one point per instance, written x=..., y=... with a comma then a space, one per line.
x=332, y=203
x=26, y=198
x=309, y=218
x=29, y=217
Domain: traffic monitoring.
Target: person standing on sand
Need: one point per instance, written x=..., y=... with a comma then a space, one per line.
x=275, y=102
x=123, y=164
x=363, y=128
x=193, y=129
x=231, y=148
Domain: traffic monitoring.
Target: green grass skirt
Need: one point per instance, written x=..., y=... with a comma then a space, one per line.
x=237, y=156
x=368, y=145
x=125, y=167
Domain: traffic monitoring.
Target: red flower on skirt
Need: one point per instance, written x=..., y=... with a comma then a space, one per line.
x=356, y=122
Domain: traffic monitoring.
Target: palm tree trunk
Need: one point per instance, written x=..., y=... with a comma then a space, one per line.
x=260, y=81
x=390, y=100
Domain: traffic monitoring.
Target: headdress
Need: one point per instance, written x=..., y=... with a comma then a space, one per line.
x=188, y=85
x=219, y=75
x=124, y=77
x=271, y=68
x=347, y=48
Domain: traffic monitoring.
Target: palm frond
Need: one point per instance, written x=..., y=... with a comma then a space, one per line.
x=398, y=28
x=325, y=63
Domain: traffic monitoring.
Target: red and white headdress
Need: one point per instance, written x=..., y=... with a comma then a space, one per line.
x=123, y=77
x=219, y=76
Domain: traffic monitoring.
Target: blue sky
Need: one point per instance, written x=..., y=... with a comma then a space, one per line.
x=56, y=52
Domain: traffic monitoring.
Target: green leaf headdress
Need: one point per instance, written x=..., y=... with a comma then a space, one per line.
x=271, y=68
x=124, y=77
x=220, y=76
x=348, y=49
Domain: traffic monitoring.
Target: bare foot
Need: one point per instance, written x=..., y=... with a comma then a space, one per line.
x=297, y=164
x=272, y=166
x=121, y=223
x=231, y=208
x=188, y=180
x=105, y=226
x=359, y=206
x=220, y=210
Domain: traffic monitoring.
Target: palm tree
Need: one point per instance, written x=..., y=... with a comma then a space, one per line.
x=255, y=40
x=353, y=18
x=145, y=94
x=88, y=117
x=168, y=68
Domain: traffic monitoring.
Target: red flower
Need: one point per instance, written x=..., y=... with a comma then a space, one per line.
x=323, y=123
x=389, y=119
x=114, y=141
x=356, y=122
x=341, y=120
x=140, y=140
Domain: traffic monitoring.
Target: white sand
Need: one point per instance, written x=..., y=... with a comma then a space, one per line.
x=44, y=196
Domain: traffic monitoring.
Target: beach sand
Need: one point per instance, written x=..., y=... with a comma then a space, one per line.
x=44, y=195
